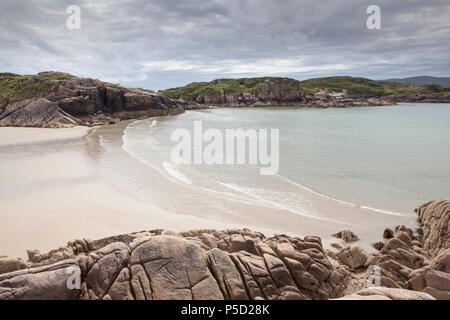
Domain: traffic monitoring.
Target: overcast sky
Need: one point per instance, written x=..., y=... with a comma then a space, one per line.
x=159, y=44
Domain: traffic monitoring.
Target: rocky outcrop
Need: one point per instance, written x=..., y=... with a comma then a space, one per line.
x=407, y=260
x=420, y=98
x=346, y=236
x=37, y=112
x=53, y=99
x=435, y=219
x=72, y=249
x=233, y=264
x=282, y=92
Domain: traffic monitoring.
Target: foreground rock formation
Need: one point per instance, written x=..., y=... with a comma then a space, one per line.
x=54, y=100
x=234, y=264
x=238, y=265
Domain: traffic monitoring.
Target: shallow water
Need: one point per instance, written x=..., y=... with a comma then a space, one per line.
x=386, y=158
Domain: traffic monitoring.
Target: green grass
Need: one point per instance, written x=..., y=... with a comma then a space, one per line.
x=361, y=86
x=17, y=87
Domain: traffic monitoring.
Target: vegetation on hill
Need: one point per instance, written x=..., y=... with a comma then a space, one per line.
x=424, y=80
x=353, y=85
x=214, y=88
x=360, y=86
x=17, y=87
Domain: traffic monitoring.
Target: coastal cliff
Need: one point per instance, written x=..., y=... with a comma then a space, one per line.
x=239, y=264
x=54, y=100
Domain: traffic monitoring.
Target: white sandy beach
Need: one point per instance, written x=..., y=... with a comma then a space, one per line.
x=50, y=195
x=13, y=136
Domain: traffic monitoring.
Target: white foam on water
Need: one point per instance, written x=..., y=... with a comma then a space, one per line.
x=345, y=203
x=135, y=141
x=252, y=192
x=172, y=171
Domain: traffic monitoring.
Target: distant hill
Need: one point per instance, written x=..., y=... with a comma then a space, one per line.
x=360, y=86
x=423, y=81
x=228, y=86
x=283, y=87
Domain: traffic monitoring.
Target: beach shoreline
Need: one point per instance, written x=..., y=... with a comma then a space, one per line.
x=66, y=198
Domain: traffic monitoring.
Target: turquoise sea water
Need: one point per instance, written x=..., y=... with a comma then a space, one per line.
x=386, y=158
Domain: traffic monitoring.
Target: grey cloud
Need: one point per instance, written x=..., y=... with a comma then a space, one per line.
x=142, y=43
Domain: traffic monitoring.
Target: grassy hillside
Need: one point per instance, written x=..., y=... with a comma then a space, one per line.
x=17, y=87
x=361, y=86
x=213, y=88
x=424, y=80
x=353, y=85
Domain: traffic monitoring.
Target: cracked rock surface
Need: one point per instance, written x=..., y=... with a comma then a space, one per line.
x=166, y=266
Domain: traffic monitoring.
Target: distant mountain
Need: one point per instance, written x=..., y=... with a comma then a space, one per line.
x=423, y=81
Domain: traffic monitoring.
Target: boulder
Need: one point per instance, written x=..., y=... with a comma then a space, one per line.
x=435, y=219
x=106, y=273
x=43, y=283
x=11, y=264
x=433, y=279
x=227, y=275
x=346, y=236
x=353, y=257
x=177, y=270
x=388, y=234
x=378, y=245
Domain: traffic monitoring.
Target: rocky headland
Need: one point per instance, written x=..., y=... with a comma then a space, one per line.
x=329, y=92
x=55, y=100
x=240, y=265
x=267, y=91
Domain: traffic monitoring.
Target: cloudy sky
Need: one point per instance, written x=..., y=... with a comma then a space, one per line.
x=159, y=44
